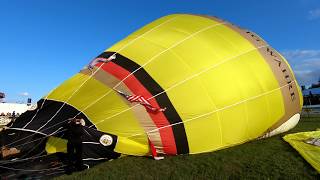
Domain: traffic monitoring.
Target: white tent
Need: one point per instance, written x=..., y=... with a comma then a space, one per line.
x=10, y=107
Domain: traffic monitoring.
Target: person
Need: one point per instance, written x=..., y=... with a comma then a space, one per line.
x=75, y=133
x=13, y=116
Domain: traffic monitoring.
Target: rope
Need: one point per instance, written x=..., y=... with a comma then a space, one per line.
x=31, y=170
x=25, y=155
x=39, y=108
x=32, y=157
x=3, y=162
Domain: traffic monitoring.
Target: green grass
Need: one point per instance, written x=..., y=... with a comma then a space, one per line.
x=270, y=158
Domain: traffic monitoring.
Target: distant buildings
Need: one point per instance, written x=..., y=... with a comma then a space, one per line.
x=311, y=96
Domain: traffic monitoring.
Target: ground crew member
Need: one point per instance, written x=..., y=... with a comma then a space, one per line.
x=75, y=132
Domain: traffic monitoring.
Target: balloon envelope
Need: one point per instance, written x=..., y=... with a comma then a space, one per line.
x=200, y=83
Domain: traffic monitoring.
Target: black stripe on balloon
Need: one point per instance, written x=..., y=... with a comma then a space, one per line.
x=98, y=150
x=163, y=100
x=49, y=111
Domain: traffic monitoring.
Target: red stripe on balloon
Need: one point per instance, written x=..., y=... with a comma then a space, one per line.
x=159, y=119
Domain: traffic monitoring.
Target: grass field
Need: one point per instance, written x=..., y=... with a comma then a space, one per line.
x=270, y=158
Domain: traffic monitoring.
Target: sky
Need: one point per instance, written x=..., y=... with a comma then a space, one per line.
x=43, y=43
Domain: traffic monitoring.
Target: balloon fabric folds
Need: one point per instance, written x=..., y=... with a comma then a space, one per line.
x=183, y=84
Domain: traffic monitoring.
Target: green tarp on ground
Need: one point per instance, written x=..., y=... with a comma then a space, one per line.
x=308, y=145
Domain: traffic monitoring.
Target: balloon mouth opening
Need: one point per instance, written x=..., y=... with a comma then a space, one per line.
x=289, y=124
x=21, y=144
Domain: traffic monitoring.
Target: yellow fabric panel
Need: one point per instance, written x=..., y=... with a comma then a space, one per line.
x=131, y=147
x=110, y=114
x=255, y=78
x=258, y=87
x=67, y=88
x=233, y=38
x=193, y=102
x=190, y=101
x=169, y=61
x=233, y=126
x=311, y=153
x=236, y=82
x=259, y=68
x=55, y=145
x=204, y=134
x=150, y=44
x=199, y=49
x=276, y=106
x=259, y=116
x=179, y=29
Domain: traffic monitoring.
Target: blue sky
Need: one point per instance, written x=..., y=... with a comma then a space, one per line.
x=42, y=42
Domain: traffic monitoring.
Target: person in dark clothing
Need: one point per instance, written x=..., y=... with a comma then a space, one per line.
x=13, y=116
x=75, y=132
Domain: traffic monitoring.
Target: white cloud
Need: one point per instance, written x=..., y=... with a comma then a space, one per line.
x=24, y=94
x=307, y=77
x=295, y=54
x=314, y=14
x=305, y=64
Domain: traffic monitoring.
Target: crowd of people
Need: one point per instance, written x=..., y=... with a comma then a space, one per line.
x=8, y=118
x=11, y=115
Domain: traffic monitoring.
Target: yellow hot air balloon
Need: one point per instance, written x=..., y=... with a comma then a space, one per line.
x=182, y=84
